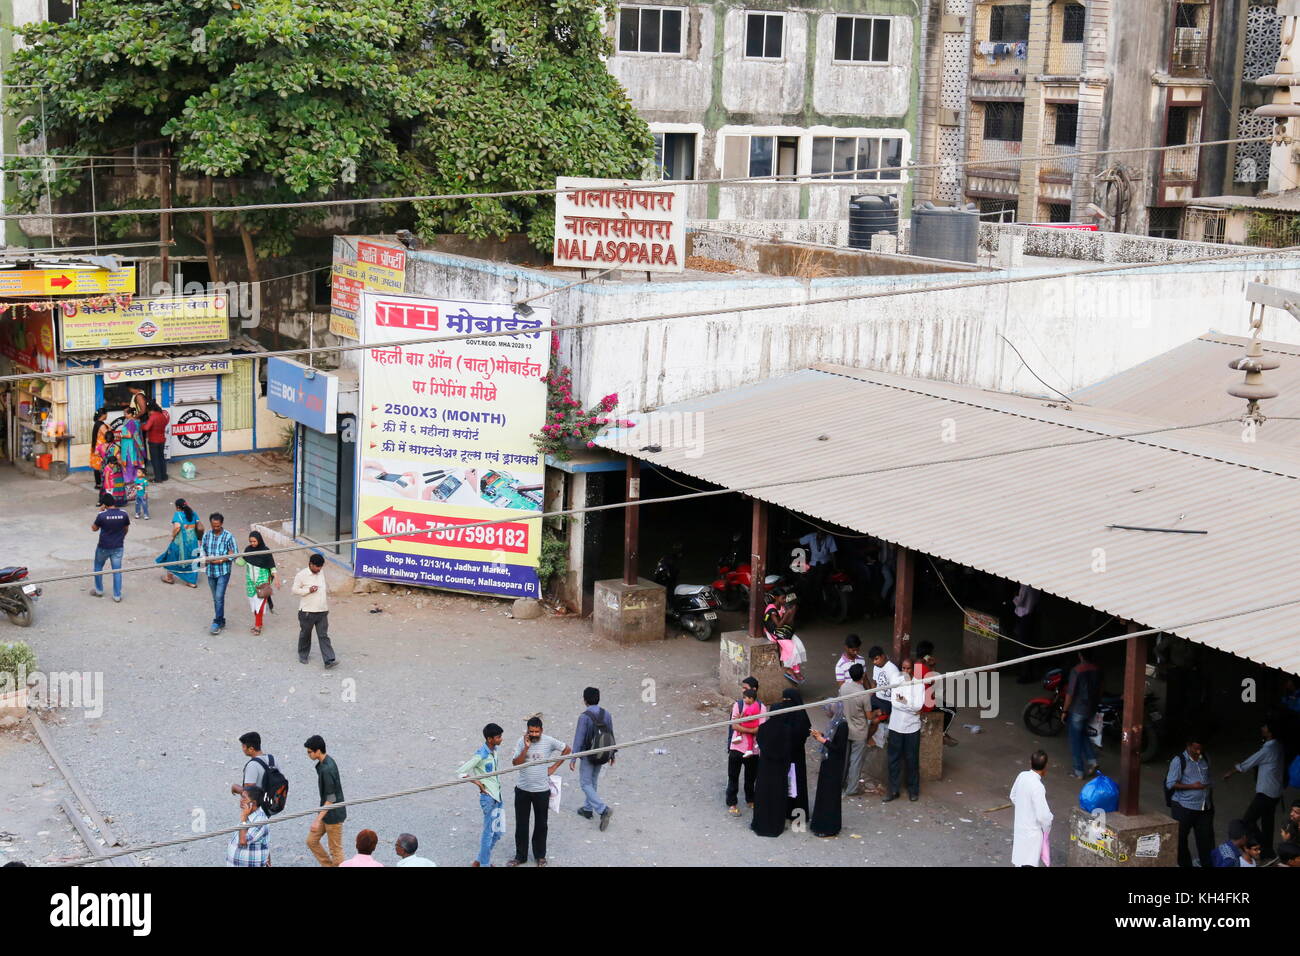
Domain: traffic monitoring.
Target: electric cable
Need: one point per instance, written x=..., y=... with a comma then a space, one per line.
x=959, y=286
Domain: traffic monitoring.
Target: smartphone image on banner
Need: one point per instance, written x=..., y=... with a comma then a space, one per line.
x=447, y=488
x=395, y=479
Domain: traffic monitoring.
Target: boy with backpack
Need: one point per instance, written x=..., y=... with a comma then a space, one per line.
x=260, y=771
x=595, y=730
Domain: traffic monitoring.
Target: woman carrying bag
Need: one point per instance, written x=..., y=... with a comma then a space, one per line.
x=260, y=577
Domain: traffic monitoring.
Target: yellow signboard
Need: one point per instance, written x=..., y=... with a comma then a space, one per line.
x=175, y=320
x=67, y=281
x=379, y=267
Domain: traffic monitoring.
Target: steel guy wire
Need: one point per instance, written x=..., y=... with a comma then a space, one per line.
x=658, y=738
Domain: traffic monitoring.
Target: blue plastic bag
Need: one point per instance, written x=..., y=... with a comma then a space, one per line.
x=1100, y=791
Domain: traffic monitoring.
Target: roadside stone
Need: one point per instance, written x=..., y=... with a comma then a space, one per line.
x=8, y=721
x=526, y=609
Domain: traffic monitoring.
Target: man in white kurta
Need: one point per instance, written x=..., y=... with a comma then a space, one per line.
x=1033, y=815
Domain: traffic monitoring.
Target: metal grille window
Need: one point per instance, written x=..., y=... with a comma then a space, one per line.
x=764, y=33
x=1004, y=121
x=998, y=210
x=857, y=157
x=1164, y=222
x=650, y=30
x=1058, y=212
x=1072, y=23
x=1067, y=124
x=862, y=39
x=1009, y=23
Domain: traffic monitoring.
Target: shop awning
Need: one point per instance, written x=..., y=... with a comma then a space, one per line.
x=1040, y=517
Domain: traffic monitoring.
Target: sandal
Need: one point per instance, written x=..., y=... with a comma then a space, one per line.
x=191, y=585
x=255, y=630
x=168, y=579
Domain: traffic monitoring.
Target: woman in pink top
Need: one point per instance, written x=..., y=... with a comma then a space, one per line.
x=742, y=753
x=367, y=840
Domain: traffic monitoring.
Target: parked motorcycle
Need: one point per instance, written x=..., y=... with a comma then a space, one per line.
x=17, y=602
x=1045, y=716
x=735, y=580
x=833, y=592
x=693, y=607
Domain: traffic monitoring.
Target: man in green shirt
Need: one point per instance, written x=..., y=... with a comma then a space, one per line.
x=327, y=822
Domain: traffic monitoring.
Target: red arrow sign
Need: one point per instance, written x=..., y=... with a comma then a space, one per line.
x=62, y=282
x=450, y=532
x=373, y=445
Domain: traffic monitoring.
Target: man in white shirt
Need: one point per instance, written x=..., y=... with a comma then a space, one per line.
x=821, y=546
x=908, y=699
x=313, y=610
x=1033, y=815
x=405, y=848
x=884, y=676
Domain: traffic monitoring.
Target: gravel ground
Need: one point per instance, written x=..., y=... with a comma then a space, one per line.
x=415, y=684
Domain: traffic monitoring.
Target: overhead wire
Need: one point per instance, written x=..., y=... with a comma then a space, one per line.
x=959, y=286
x=108, y=854
x=640, y=502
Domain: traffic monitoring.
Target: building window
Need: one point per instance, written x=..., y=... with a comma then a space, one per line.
x=1067, y=124
x=1188, y=15
x=858, y=157
x=1163, y=222
x=650, y=30
x=675, y=155
x=1181, y=126
x=764, y=33
x=862, y=39
x=60, y=11
x=745, y=156
x=1004, y=121
x=321, y=288
x=1058, y=212
x=1072, y=23
x=997, y=210
x=1009, y=23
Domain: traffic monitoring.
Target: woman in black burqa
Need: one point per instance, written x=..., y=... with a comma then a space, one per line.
x=800, y=728
x=830, y=778
x=771, y=791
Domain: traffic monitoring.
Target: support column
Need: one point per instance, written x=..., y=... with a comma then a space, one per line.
x=903, y=581
x=632, y=522
x=1130, y=746
x=757, y=567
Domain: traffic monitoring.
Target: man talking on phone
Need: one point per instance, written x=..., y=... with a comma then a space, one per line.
x=313, y=610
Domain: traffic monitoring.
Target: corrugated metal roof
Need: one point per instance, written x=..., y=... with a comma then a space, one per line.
x=1190, y=384
x=1039, y=517
x=1288, y=201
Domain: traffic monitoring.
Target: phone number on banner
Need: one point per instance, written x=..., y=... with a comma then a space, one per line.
x=450, y=532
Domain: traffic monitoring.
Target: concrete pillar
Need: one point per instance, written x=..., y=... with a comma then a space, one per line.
x=757, y=567
x=904, y=579
x=1121, y=840
x=932, y=746
x=1130, y=745
x=741, y=655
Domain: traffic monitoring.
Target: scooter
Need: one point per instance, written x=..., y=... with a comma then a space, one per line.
x=17, y=601
x=693, y=607
x=735, y=580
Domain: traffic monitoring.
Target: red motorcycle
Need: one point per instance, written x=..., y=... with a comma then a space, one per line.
x=735, y=580
x=1045, y=716
x=16, y=600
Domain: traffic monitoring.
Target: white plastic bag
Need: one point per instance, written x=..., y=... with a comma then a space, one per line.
x=1094, y=729
x=556, y=783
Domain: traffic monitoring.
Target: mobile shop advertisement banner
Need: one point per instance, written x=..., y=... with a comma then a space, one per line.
x=445, y=442
x=172, y=320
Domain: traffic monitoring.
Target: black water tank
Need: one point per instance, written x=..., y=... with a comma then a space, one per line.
x=946, y=232
x=869, y=215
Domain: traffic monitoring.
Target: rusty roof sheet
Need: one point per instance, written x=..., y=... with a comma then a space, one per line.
x=1024, y=489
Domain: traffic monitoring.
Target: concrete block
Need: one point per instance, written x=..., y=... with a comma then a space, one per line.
x=629, y=613
x=932, y=746
x=13, y=704
x=741, y=656
x=1119, y=840
x=526, y=609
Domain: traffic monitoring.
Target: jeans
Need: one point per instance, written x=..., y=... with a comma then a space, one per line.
x=494, y=824
x=321, y=621
x=1081, y=744
x=158, y=460
x=1200, y=822
x=1260, y=815
x=218, y=584
x=588, y=776
x=735, y=763
x=114, y=557
x=905, y=748
x=142, y=507
x=539, y=804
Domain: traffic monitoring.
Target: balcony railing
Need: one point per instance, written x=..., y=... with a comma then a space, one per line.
x=1188, y=57
x=1181, y=163
x=997, y=155
x=1065, y=59
x=1063, y=162
x=994, y=57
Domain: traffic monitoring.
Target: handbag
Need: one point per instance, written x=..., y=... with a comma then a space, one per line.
x=264, y=590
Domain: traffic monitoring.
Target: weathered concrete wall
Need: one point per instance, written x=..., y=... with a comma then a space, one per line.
x=671, y=87
x=807, y=259
x=764, y=86
x=871, y=89
x=1074, y=331
x=1100, y=246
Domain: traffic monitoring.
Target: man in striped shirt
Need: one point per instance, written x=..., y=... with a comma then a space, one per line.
x=250, y=846
x=218, y=550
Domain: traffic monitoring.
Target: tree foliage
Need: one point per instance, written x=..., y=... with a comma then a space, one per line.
x=292, y=99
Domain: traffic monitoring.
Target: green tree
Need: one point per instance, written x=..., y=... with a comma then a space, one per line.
x=274, y=100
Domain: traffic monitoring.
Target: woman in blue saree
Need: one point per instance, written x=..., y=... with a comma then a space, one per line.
x=184, y=546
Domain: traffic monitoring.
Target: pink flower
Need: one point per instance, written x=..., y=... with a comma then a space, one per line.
x=591, y=444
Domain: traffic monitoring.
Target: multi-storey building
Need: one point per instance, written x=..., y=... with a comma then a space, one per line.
x=822, y=88
x=1011, y=79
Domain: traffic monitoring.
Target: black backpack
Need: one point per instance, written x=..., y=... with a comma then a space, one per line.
x=275, y=788
x=600, y=736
